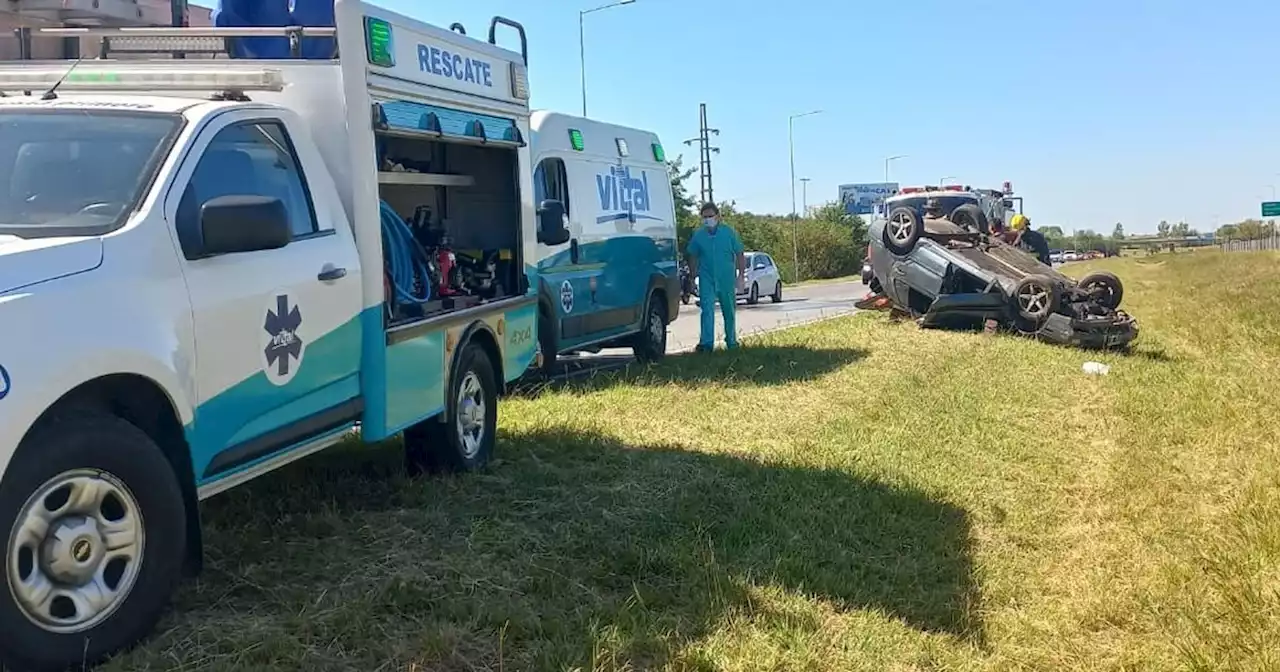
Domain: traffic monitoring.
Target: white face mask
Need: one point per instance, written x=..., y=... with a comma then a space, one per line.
x=709, y=222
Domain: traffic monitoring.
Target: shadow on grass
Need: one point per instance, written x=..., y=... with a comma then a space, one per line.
x=574, y=547
x=760, y=365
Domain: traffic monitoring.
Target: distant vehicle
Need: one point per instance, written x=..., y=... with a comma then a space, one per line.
x=762, y=279
x=615, y=282
x=950, y=275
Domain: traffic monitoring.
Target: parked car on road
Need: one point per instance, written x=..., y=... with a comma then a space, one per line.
x=762, y=279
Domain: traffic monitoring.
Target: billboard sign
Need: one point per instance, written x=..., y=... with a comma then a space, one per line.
x=863, y=199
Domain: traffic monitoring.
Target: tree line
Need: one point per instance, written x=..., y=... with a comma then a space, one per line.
x=829, y=243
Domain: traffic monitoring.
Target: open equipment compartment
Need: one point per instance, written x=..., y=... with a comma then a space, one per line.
x=449, y=192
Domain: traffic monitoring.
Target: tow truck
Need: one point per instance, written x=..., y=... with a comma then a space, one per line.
x=212, y=267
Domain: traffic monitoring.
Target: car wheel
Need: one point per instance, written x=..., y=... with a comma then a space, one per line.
x=96, y=545
x=902, y=230
x=970, y=216
x=1105, y=287
x=754, y=297
x=1035, y=298
x=464, y=441
x=651, y=340
x=777, y=292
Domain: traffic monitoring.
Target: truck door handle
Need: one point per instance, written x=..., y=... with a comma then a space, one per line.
x=331, y=273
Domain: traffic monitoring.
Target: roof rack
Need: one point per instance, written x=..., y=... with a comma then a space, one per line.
x=183, y=41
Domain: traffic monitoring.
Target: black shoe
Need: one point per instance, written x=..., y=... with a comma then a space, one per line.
x=703, y=348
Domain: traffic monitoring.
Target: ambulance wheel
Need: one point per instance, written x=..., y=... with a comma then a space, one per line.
x=651, y=340
x=96, y=544
x=902, y=230
x=464, y=440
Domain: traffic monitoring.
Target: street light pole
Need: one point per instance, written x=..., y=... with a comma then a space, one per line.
x=791, y=150
x=582, y=44
x=886, y=164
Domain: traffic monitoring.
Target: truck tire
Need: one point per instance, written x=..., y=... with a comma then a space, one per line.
x=651, y=341
x=97, y=542
x=1035, y=298
x=464, y=441
x=1106, y=286
x=902, y=230
x=970, y=216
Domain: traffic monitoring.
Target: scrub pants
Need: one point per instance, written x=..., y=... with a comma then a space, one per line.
x=728, y=301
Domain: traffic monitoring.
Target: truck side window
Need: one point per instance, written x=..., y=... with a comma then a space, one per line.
x=253, y=159
x=552, y=181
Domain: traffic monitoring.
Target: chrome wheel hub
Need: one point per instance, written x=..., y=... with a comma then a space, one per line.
x=75, y=551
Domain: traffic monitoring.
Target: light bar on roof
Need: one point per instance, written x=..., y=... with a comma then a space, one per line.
x=140, y=79
x=145, y=44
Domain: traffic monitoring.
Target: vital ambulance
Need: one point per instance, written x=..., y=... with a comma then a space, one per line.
x=211, y=268
x=615, y=282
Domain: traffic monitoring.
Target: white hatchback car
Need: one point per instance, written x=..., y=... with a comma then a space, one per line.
x=763, y=279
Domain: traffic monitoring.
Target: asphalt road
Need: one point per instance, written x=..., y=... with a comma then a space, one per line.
x=799, y=304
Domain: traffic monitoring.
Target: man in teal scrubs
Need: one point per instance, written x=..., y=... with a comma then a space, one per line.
x=715, y=257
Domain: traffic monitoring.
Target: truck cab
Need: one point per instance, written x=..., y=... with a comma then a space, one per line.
x=615, y=282
x=212, y=267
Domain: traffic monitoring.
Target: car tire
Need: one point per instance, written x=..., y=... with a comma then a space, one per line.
x=1106, y=285
x=777, y=293
x=902, y=230
x=754, y=296
x=1035, y=298
x=90, y=477
x=465, y=440
x=970, y=216
x=651, y=341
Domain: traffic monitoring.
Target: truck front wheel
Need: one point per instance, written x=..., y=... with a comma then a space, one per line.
x=465, y=439
x=96, y=545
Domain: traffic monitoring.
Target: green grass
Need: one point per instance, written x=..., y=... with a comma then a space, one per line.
x=854, y=495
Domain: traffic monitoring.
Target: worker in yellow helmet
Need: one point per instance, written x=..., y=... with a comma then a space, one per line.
x=1021, y=234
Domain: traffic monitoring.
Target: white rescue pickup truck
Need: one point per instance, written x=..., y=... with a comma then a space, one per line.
x=211, y=267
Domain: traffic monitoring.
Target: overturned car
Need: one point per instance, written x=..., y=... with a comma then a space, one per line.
x=950, y=272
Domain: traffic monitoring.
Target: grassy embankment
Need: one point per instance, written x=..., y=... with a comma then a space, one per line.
x=854, y=495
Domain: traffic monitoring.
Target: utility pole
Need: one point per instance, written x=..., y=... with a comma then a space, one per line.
x=804, y=197
x=704, y=153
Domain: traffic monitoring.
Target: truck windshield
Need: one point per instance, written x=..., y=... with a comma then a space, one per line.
x=77, y=172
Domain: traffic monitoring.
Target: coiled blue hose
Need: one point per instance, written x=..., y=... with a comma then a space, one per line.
x=405, y=259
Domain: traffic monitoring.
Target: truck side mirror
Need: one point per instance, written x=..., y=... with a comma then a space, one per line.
x=234, y=224
x=551, y=225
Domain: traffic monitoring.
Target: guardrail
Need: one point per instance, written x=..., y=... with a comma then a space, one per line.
x=1260, y=244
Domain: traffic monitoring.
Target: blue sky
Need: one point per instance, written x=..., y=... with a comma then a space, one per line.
x=1098, y=111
